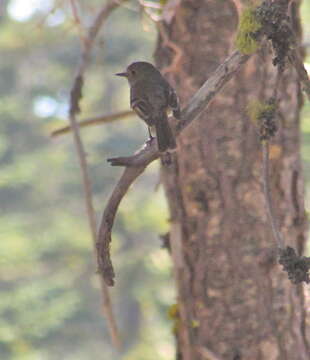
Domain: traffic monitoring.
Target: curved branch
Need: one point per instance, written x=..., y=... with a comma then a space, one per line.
x=142, y=157
x=136, y=164
x=196, y=105
x=101, y=119
x=75, y=96
x=104, y=261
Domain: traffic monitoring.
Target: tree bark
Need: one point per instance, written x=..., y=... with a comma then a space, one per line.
x=234, y=299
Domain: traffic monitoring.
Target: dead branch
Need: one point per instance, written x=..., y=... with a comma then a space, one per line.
x=101, y=119
x=77, y=20
x=196, y=105
x=150, y=4
x=303, y=76
x=175, y=64
x=136, y=164
x=211, y=87
x=142, y=158
x=296, y=266
x=104, y=261
x=207, y=354
x=276, y=29
x=270, y=212
x=75, y=96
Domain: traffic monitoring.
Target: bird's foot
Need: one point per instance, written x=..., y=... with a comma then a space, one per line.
x=149, y=141
x=166, y=158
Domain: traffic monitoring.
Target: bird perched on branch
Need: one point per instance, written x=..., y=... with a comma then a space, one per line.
x=151, y=97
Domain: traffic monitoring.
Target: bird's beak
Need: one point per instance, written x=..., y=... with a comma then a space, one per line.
x=124, y=74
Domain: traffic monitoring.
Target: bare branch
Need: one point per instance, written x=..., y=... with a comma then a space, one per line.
x=77, y=20
x=270, y=212
x=211, y=87
x=208, y=354
x=75, y=96
x=150, y=4
x=101, y=119
x=141, y=158
x=104, y=261
x=136, y=164
x=102, y=15
x=149, y=153
x=177, y=58
x=196, y=105
x=298, y=64
x=296, y=266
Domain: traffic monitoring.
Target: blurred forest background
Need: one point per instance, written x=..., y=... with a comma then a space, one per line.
x=49, y=296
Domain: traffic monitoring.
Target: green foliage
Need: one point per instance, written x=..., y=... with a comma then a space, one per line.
x=248, y=27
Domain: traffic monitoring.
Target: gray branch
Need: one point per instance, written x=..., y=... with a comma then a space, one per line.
x=136, y=164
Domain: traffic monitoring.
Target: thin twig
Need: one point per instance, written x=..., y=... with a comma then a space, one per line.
x=207, y=354
x=101, y=119
x=77, y=20
x=76, y=93
x=176, y=61
x=270, y=212
x=136, y=164
x=150, y=4
x=299, y=66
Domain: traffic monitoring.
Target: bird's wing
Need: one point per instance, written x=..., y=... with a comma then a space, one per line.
x=140, y=103
x=173, y=102
x=141, y=107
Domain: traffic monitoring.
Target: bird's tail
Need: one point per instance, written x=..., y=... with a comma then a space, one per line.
x=164, y=134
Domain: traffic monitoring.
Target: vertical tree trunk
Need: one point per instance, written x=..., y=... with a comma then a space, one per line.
x=234, y=299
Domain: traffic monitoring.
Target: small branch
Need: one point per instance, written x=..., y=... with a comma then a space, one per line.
x=208, y=354
x=101, y=119
x=211, y=87
x=279, y=32
x=268, y=200
x=77, y=20
x=55, y=5
x=141, y=158
x=150, y=4
x=104, y=261
x=102, y=15
x=176, y=61
x=296, y=266
x=75, y=96
x=298, y=64
x=196, y=105
x=136, y=164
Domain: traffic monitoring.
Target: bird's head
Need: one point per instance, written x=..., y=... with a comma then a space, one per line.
x=137, y=71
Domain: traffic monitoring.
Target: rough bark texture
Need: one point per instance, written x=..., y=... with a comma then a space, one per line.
x=234, y=299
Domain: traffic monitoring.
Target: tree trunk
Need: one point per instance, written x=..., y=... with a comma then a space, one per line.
x=234, y=299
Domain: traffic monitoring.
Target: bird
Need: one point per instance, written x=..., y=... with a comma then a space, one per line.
x=151, y=96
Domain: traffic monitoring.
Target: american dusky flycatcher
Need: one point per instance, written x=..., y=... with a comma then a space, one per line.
x=151, y=97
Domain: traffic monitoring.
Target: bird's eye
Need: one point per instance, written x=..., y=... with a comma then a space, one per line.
x=133, y=72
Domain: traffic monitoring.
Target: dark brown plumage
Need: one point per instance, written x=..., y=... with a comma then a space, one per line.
x=151, y=97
